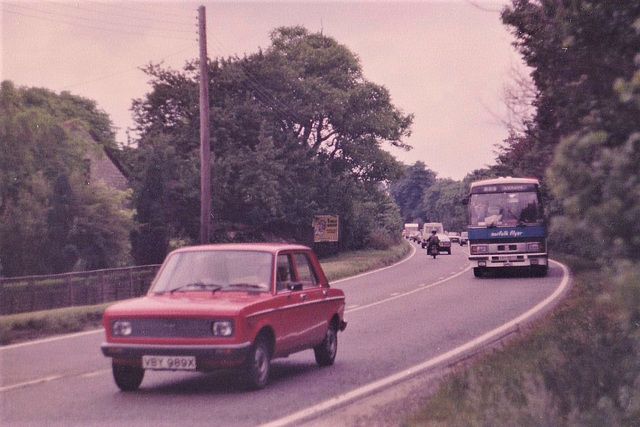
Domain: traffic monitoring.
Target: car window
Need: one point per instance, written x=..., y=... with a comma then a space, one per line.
x=229, y=270
x=284, y=271
x=306, y=273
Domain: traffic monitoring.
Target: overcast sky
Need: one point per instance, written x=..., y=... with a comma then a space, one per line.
x=447, y=62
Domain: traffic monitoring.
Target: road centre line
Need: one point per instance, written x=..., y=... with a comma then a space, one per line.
x=343, y=399
x=46, y=340
x=28, y=383
x=422, y=287
x=53, y=378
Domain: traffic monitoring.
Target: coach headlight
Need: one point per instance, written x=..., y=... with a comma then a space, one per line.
x=121, y=328
x=222, y=328
x=479, y=249
x=534, y=247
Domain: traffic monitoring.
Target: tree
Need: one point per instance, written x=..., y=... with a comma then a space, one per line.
x=409, y=192
x=577, y=51
x=444, y=203
x=296, y=131
x=51, y=220
x=583, y=55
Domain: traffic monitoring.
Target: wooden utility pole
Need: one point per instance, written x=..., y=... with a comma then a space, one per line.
x=205, y=133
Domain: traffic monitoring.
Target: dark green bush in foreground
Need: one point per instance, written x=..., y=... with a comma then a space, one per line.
x=579, y=366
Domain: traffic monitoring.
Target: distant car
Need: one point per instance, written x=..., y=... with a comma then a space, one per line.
x=444, y=244
x=415, y=236
x=226, y=306
x=454, y=237
x=464, y=238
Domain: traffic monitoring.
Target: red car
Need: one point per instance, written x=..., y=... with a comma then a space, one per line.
x=226, y=306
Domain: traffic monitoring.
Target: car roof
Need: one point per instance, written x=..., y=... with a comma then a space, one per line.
x=259, y=247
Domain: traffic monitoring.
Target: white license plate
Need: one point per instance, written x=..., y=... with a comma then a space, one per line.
x=169, y=363
x=509, y=258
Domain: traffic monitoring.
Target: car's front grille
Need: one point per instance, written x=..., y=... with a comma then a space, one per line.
x=188, y=328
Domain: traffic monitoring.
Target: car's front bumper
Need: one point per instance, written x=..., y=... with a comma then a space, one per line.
x=207, y=356
x=513, y=260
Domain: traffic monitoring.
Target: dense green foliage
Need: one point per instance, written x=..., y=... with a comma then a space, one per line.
x=444, y=203
x=422, y=197
x=580, y=366
x=408, y=192
x=296, y=131
x=52, y=219
x=584, y=57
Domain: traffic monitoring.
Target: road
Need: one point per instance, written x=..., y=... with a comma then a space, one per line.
x=402, y=320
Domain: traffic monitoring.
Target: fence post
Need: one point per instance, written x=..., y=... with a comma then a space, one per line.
x=131, y=291
x=32, y=294
x=70, y=290
x=3, y=299
x=101, y=284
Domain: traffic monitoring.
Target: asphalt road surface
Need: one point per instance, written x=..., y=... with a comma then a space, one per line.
x=402, y=320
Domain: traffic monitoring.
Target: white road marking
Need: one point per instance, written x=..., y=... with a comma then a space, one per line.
x=28, y=383
x=403, y=375
x=57, y=338
x=418, y=289
x=95, y=373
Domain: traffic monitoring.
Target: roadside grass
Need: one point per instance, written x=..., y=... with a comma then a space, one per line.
x=28, y=326
x=578, y=366
x=350, y=264
x=40, y=324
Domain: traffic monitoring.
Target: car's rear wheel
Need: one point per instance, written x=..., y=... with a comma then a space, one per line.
x=128, y=378
x=257, y=365
x=326, y=352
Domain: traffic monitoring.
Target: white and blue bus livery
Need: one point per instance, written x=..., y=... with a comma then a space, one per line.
x=506, y=225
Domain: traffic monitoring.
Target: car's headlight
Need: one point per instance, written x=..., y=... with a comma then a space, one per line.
x=121, y=328
x=479, y=249
x=222, y=328
x=534, y=247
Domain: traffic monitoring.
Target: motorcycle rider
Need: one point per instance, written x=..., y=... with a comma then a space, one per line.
x=433, y=240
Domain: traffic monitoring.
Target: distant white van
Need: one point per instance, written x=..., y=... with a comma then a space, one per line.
x=428, y=227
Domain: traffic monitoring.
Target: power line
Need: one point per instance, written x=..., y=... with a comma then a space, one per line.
x=127, y=6
x=137, y=18
x=261, y=93
x=108, y=76
x=66, y=19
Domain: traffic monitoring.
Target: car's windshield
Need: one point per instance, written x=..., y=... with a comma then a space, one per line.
x=495, y=209
x=217, y=270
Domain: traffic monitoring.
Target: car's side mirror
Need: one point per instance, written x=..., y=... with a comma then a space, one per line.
x=295, y=286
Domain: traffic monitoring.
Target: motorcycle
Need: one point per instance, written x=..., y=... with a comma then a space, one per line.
x=433, y=251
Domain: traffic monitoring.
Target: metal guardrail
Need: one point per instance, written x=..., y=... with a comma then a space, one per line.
x=35, y=293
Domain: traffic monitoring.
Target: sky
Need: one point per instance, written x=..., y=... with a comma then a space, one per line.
x=448, y=62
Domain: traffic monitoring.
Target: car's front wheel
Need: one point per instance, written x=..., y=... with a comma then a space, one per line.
x=257, y=365
x=326, y=352
x=128, y=378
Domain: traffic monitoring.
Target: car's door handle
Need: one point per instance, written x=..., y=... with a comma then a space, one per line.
x=325, y=292
x=303, y=296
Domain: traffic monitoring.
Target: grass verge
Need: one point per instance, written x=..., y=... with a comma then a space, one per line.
x=578, y=366
x=27, y=326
